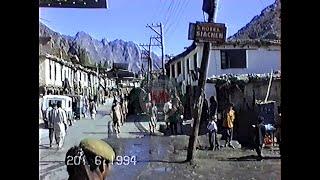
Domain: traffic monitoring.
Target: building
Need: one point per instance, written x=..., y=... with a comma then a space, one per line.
x=65, y=75
x=231, y=57
x=123, y=77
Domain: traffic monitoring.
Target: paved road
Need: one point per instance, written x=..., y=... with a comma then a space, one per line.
x=156, y=157
x=52, y=160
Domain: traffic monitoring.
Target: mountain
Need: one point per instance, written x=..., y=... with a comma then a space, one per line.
x=267, y=25
x=91, y=50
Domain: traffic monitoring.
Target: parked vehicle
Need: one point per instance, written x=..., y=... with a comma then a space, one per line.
x=66, y=104
x=77, y=105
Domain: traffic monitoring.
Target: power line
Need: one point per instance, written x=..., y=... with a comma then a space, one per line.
x=174, y=15
x=180, y=17
x=160, y=10
x=167, y=14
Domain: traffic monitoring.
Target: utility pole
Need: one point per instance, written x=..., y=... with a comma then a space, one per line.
x=200, y=90
x=146, y=55
x=162, y=49
x=160, y=38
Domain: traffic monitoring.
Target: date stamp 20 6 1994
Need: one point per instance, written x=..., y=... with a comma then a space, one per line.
x=119, y=160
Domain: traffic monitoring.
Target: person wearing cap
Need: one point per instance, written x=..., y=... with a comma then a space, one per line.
x=91, y=160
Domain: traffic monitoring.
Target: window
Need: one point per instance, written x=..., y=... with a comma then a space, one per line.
x=188, y=65
x=195, y=63
x=233, y=58
x=183, y=68
x=173, y=71
x=80, y=75
x=179, y=68
x=61, y=72
x=65, y=74
x=55, y=72
x=50, y=70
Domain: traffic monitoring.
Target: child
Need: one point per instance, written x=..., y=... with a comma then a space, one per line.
x=213, y=129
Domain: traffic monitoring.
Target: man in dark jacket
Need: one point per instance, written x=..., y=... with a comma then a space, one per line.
x=259, y=131
x=205, y=112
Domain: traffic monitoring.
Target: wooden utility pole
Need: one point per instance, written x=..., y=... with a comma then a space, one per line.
x=269, y=87
x=200, y=90
x=160, y=40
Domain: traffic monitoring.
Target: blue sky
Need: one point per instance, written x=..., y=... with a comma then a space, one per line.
x=127, y=19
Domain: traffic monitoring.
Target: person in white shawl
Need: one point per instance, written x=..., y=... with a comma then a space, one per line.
x=213, y=129
x=60, y=125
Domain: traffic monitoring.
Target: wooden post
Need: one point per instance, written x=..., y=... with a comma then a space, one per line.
x=269, y=87
x=200, y=92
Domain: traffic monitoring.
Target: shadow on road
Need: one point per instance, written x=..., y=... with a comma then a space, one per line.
x=162, y=161
x=250, y=158
x=44, y=146
x=94, y=132
x=42, y=126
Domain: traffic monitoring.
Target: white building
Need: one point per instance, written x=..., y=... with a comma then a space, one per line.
x=232, y=57
x=54, y=71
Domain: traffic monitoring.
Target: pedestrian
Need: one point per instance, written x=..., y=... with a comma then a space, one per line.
x=60, y=124
x=205, y=112
x=278, y=131
x=123, y=109
x=90, y=160
x=50, y=123
x=116, y=115
x=180, y=113
x=153, y=118
x=228, y=125
x=174, y=116
x=166, y=109
x=259, y=132
x=93, y=109
x=85, y=106
x=213, y=130
x=213, y=107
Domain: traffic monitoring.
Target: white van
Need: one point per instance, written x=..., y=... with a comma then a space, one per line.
x=66, y=104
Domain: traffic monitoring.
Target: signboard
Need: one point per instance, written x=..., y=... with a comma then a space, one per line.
x=73, y=3
x=207, y=32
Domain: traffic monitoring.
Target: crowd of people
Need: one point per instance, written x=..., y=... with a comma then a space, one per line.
x=57, y=121
x=173, y=111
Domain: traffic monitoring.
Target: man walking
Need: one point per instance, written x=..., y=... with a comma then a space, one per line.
x=153, y=118
x=50, y=123
x=116, y=115
x=93, y=109
x=166, y=109
x=60, y=124
x=259, y=131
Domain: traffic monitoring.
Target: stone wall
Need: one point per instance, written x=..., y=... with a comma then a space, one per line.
x=244, y=106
